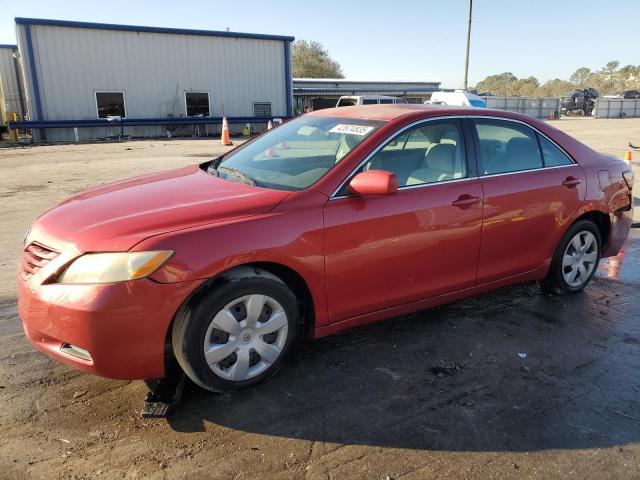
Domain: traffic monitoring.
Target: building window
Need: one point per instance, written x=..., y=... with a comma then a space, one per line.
x=110, y=104
x=197, y=104
x=262, y=109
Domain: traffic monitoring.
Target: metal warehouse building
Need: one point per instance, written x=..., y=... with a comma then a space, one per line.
x=157, y=80
x=12, y=96
x=319, y=93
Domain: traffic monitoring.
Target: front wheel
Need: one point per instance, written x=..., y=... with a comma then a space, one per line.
x=575, y=260
x=239, y=333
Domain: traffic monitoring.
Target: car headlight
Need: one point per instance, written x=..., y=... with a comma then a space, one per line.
x=113, y=267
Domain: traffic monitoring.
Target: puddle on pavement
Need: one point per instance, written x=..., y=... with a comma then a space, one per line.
x=625, y=266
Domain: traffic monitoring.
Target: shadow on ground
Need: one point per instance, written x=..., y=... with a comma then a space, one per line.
x=515, y=370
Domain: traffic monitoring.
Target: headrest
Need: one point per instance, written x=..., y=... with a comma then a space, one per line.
x=346, y=144
x=441, y=157
x=522, y=146
x=450, y=136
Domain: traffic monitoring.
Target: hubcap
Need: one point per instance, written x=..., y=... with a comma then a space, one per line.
x=246, y=337
x=579, y=259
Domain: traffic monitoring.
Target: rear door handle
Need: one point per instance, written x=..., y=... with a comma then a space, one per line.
x=571, y=182
x=465, y=201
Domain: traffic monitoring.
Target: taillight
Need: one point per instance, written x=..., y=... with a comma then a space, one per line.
x=628, y=177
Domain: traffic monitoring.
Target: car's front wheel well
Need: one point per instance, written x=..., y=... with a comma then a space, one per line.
x=290, y=277
x=602, y=221
x=299, y=287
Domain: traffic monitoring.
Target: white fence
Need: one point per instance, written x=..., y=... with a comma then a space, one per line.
x=617, y=108
x=534, y=106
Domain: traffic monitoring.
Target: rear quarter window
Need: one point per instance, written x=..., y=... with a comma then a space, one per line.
x=552, y=155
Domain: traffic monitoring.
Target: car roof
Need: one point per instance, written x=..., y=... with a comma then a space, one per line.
x=367, y=96
x=389, y=112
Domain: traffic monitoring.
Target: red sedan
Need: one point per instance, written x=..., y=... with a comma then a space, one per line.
x=334, y=219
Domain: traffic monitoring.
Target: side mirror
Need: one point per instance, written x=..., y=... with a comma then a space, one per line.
x=374, y=182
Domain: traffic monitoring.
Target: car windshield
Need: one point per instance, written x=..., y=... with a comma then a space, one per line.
x=296, y=154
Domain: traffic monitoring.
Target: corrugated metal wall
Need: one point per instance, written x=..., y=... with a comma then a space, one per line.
x=534, y=106
x=9, y=79
x=154, y=70
x=616, y=108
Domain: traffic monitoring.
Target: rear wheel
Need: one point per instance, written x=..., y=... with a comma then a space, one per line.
x=575, y=260
x=238, y=334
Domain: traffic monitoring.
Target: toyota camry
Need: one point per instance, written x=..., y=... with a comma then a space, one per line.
x=334, y=219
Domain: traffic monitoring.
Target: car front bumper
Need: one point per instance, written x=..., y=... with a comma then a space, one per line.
x=122, y=326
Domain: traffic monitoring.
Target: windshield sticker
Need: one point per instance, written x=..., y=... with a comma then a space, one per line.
x=359, y=130
x=306, y=130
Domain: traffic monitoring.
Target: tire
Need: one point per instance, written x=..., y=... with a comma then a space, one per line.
x=233, y=360
x=151, y=383
x=563, y=268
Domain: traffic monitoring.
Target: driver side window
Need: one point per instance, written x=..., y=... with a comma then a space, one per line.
x=427, y=153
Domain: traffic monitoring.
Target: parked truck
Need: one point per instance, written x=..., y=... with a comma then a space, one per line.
x=579, y=102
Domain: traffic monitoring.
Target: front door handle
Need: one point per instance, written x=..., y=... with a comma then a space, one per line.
x=571, y=182
x=465, y=201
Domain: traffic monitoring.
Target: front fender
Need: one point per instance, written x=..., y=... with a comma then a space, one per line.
x=291, y=235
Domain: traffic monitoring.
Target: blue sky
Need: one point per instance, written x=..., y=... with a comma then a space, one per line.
x=399, y=40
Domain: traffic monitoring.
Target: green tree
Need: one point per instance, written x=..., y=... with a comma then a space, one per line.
x=611, y=67
x=628, y=78
x=580, y=76
x=497, y=84
x=610, y=79
x=553, y=88
x=605, y=80
x=524, y=87
x=311, y=60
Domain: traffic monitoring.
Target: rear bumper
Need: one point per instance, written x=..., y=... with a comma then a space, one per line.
x=620, y=226
x=122, y=326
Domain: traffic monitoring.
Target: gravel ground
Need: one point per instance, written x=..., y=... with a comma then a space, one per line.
x=444, y=393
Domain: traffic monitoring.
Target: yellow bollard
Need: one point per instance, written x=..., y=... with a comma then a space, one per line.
x=14, y=131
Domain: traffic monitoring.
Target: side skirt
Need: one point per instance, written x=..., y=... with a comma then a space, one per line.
x=532, y=275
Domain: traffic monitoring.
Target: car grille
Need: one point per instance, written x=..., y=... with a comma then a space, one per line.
x=34, y=257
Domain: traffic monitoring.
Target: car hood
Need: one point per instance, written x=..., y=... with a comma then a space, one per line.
x=118, y=215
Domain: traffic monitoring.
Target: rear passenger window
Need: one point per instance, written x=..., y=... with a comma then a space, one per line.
x=369, y=101
x=507, y=147
x=428, y=153
x=552, y=155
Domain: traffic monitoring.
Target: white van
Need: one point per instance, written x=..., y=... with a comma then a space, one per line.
x=458, y=97
x=368, y=100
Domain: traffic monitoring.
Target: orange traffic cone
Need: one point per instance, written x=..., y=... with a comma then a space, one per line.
x=224, y=138
x=269, y=125
x=627, y=156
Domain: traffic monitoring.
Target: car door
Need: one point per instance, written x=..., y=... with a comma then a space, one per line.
x=531, y=190
x=423, y=241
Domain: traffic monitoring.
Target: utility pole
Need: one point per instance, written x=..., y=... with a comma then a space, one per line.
x=466, y=57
